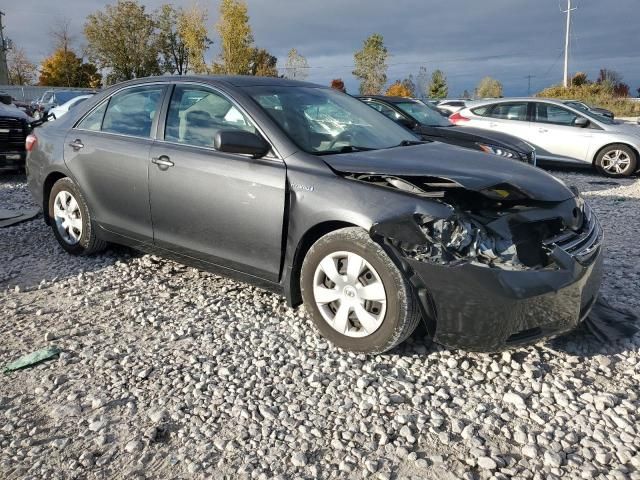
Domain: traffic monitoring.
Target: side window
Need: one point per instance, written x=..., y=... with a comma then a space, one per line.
x=196, y=114
x=509, y=111
x=386, y=111
x=132, y=111
x=548, y=113
x=482, y=111
x=93, y=121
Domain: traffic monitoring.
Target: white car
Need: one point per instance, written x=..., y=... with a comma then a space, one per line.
x=559, y=132
x=57, y=112
x=451, y=106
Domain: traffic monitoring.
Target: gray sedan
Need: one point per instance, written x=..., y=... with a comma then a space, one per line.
x=559, y=132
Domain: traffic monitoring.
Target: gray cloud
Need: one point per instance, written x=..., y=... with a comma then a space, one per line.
x=468, y=39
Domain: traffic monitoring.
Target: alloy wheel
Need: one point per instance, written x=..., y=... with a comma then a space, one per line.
x=68, y=217
x=349, y=294
x=615, y=162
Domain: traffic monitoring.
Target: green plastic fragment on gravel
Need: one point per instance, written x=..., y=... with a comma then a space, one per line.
x=32, y=359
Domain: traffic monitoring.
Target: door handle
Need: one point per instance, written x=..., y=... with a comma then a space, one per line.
x=162, y=161
x=493, y=124
x=76, y=144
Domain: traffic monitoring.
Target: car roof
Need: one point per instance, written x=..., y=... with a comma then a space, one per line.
x=234, y=80
x=388, y=98
x=492, y=101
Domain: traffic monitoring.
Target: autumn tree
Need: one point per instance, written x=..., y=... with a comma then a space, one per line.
x=338, y=84
x=236, y=39
x=182, y=38
x=296, y=67
x=123, y=39
x=398, y=89
x=410, y=85
x=66, y=69
x=21, y=70
x=489, y=88
x=192, y=28
x=371, y=65
x=438, y=87
x=263, y=64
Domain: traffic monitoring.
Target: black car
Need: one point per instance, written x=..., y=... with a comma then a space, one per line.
x=15, y=125
x=426, y=121
x=308, y=192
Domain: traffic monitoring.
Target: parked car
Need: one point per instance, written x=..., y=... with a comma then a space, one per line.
x=588, y=108
x=24, y=106
x=427, y=122
x=59, y=111
x=15, y=125
x=51, y=99
x=452, y=106
x=372, y=228
x=560, y=133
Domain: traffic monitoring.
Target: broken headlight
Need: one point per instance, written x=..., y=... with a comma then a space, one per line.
x=504, y=192
x=461, y=238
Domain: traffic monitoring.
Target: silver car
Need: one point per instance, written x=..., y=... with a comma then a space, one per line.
x=559, y=132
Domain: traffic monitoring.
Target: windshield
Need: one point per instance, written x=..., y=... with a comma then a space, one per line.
x=424, y=114
x=64, y=97
x=600, y=118
x=323, y=121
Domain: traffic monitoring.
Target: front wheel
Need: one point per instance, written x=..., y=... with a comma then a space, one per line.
x=71, y=221
x=356, y=295
x=616, y=160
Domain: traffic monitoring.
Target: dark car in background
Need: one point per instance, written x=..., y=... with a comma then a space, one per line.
x=15, y=125
x=308, y=192
x=54, y=98
x=426, y=121
x=589, y=108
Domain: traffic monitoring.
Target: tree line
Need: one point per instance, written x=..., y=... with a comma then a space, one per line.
x=125, y=41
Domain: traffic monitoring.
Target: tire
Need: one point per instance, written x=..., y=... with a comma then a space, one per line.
x=395, y=318
x=71, y=220
x=616, y=160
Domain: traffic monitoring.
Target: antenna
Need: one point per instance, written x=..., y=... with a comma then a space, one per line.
x=529, y=77
x=566, y=43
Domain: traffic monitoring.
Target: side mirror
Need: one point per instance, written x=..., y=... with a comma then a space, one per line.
x=581, y=122
x=241, y=141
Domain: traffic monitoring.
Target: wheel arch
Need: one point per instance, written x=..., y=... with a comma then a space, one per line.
x=311, y=236
x=623, y=142
x=47, y=185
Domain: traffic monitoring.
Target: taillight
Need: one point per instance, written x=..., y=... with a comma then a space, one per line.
x=458, y=118
x=30, y=142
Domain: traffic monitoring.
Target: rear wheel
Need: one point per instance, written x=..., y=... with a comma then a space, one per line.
x=71, y=221
x=356, y=295
x=616, y=160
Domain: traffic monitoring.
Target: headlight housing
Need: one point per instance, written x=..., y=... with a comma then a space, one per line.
x=500, y=151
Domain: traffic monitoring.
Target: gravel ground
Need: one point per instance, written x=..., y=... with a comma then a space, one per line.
x=168, y=372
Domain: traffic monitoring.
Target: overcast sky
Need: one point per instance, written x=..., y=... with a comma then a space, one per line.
x=467, y=39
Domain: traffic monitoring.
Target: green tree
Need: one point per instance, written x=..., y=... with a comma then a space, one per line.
x=123, y=39
x=489, y=88
x=236, y=39
x=263, y=64
x=466, y=94
x=21, y=70
x=296, y=67
x=371, y=65
x=438, y=87
x=66, y=69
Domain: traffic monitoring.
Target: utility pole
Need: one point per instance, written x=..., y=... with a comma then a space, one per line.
x=4, y=46
x=566, y=44
x=529, y=77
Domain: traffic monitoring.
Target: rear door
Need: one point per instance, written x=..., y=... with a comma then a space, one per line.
x=556, y=137
x=226, y=209
x=507, y=117
x=108, y=154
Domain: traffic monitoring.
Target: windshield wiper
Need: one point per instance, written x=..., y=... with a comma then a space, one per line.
x=346, y=149
x=408, y=143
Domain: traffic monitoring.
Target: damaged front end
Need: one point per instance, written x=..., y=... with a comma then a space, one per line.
x=499, y=269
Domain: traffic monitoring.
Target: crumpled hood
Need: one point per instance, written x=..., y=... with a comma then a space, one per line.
x=471, y=169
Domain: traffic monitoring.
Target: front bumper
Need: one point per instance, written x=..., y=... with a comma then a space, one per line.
x=12, y=160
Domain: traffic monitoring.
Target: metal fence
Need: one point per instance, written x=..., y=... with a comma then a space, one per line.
x=29, y=93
